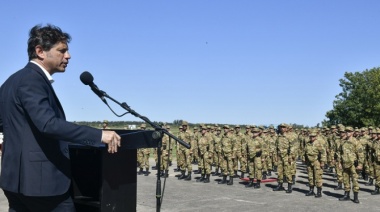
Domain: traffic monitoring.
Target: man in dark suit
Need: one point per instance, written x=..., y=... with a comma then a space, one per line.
x=35, y=166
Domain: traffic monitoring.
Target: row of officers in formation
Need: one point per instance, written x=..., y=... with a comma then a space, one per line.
x=350, y=153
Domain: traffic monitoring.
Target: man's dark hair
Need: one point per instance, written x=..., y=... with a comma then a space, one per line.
x=46, y=37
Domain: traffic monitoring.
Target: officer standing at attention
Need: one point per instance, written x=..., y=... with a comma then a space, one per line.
x=284, y=158
x=315, y=159
x=352, y=158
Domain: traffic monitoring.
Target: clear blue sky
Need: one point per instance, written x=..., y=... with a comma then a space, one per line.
x=232, y=62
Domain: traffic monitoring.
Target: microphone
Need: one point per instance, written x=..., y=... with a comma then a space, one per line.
x=87, y=79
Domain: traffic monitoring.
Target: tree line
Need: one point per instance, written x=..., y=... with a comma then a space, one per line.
x=358, y=104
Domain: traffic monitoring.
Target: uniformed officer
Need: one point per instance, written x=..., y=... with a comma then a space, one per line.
x=284, y=158
x=227, y=154
x=352, y=157
x=315, y=159
x=256, y=158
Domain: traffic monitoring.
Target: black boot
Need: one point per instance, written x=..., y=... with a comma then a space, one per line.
x=188, y=178
x=202, y=178
x=356, y=199
x=146, y=172
x=319, y=192
x=376, y=191
x=250, y=184
x=346, y=196
x=370, y=182
x=199, y=171
x=154, y=167
x=242, y=175
x=311, y=191
x=141, y=171
x=177, y=169
x=269, y=173
x=264, y=175
x=182, y=176
x=293, y=179
x=339, y=187
x=224, y=181
x=235, y=174
x=231, y=181
x=289, y=188
x=365, y=177
x=207, y=179
x=279, y=187
x=285, y=179
x=257, y=185
x=166, y=175
x=216, y=173
x=275, y=168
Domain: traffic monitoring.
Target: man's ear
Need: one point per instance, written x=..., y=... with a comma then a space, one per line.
x=40, y=52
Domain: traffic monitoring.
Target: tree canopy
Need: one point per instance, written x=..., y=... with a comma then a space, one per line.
x=358, y=104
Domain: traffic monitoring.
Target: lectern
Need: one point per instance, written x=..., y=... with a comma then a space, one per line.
x=104, y=182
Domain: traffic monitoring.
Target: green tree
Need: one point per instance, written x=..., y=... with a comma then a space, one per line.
x=359, y=102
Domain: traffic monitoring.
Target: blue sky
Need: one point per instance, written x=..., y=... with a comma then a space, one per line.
x=230, y=62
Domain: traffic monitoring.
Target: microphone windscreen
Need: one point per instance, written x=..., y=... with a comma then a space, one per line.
x=86, y=78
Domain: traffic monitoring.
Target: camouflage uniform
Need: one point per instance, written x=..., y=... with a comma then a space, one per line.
x=143, y=155
x=256, y=154
x=284, y=157
x=376, y=161
x=337, y=160
x=371, y=159
x=217, y=150
x=315, y=158
x=205, y=147
x=185, y=154
x=292, y=136
x=165, y=150
x=227, y=152
x=351, y=152
x=238, y=137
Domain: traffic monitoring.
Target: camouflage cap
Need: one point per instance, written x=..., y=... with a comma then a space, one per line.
x=248, y=127
x=180, y=127
x=203, y=126
x=226, y=127
x=219, y=129
x=370, y=128
x=261, y=127
x=333, y=127
x=313, y=133
x=195, y=128
x=342, y=129
x=363, y=129
x=209, y=127
x=349, y=129
x=167, y=126
x=185, y=123
x=237, y=126
x=255, y=129
x=271, y=127
x=143, y=126
x=374, y=131
x=283, y=125
x=105, y=121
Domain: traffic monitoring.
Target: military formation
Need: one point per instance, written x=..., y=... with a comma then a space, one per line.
x=345, y=152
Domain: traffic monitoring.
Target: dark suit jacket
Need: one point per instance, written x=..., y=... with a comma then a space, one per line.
x=35, y=159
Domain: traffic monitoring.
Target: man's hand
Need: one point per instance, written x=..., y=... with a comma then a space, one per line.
x=112, y=139
x=359, y=168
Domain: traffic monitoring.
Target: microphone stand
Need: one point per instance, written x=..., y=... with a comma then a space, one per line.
x=157, y=134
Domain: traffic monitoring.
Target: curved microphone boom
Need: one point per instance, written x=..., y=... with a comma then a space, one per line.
x=87, y=79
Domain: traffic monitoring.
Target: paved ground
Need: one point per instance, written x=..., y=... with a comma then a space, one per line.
x=185, y=196
x=194, y=196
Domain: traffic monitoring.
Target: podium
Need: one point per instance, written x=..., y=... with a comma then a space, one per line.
x=105, y=182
